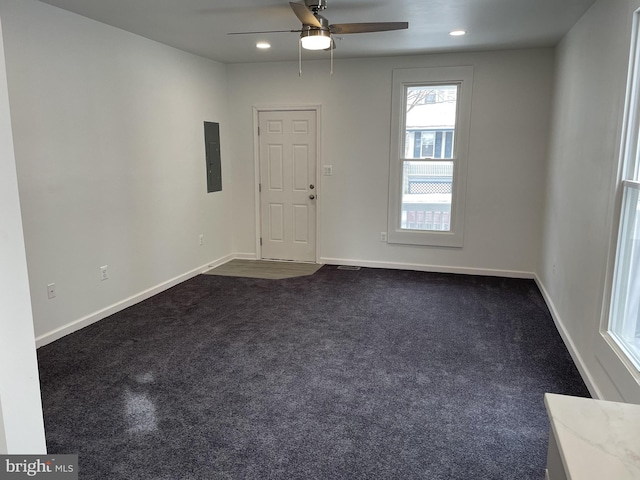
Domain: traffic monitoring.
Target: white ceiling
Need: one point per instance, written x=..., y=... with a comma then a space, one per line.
x=201, y=26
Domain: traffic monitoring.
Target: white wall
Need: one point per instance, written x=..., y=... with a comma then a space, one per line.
x=583, y=159
x=109, y=142
x=21, y=423
x=509, y=133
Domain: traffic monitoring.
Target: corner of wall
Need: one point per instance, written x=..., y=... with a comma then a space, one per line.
x=3, y=437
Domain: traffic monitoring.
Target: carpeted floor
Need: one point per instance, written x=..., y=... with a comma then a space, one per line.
x=370, y=374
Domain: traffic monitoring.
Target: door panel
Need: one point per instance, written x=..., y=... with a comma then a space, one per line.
x=276, y=174
x=276, y=222
x=287, y=172
x=300, y=223
x=300, y=168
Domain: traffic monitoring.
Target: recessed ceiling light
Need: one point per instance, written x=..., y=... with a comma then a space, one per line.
x=263, y=45
x=457, y=33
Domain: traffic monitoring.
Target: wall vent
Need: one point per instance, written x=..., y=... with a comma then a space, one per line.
x=348, y=267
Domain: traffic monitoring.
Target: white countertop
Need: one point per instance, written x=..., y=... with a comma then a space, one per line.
x=597, y=439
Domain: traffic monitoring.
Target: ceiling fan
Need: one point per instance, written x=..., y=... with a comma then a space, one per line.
x=316, y=32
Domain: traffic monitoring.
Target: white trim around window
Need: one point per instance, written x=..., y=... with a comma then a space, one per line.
x=612, y=349
x=402, y=79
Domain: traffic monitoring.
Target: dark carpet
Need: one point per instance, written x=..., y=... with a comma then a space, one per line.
x=370, y=374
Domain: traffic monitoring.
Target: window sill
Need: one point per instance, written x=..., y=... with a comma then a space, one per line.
x=429, y=238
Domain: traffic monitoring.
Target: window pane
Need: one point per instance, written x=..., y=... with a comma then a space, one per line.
x=428, y=139
x=430, y=121
x=426, y=196
x=625, y=323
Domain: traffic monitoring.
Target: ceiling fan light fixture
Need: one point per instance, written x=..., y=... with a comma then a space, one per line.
x=315, y=39
x=263, y=45
x=457, y=33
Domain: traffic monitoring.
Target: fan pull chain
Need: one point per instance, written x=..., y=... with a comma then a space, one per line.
x=331, y=47
x=299, y=58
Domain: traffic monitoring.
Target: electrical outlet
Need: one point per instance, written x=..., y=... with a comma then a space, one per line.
x=328, y=170
x=201, y=239
x=383, y=236
x=104, y=274
x=51, y=290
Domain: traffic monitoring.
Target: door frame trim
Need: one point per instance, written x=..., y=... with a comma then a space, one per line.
x=256, y=161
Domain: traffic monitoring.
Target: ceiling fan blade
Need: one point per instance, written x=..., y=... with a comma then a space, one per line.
x=346, y=28
x=305, y=15
x=267, y=31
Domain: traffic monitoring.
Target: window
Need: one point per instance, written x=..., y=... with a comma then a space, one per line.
x=430, y=128
x=624, y=325
x=624, y=314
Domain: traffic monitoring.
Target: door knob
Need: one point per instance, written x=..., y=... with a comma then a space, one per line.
x=312, y=186
x=312, y=197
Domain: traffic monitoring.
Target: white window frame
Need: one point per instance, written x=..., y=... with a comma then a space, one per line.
x=610, y=353
x=621, y=282
x=403, y=78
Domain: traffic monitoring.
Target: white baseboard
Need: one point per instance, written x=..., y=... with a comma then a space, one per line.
x=110, y=310
x=573, y=351
x=428, y=268
x=116, y=307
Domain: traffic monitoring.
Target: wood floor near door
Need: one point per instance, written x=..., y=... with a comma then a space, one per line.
x=264, y=269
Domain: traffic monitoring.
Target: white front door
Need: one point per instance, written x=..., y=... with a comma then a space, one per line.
x=288, y=188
